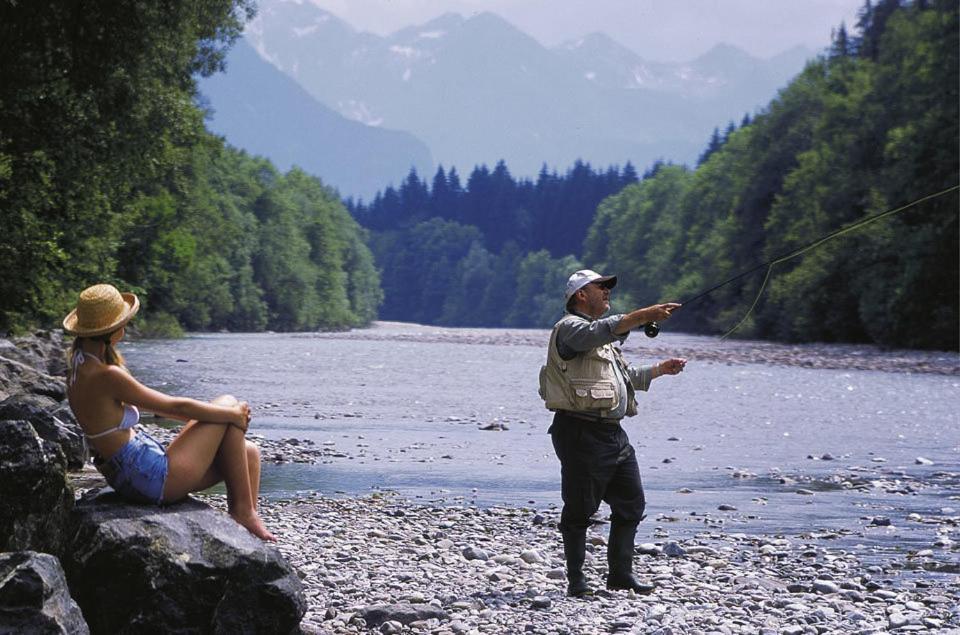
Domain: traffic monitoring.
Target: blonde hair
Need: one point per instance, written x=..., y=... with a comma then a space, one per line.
x=111, y=355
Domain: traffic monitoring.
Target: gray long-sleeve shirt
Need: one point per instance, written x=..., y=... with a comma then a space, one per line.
x=578, y=336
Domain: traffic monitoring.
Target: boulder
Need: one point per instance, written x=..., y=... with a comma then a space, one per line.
x=44, y=350
x=27, y=400
x=35, y=498
x=52, y=421
x=34, y=597
x=17, y=377
x=185, y=567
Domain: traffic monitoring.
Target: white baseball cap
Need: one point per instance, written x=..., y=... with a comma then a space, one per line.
x=578, y=279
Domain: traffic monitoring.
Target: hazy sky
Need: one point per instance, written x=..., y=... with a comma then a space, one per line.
x=660, y=30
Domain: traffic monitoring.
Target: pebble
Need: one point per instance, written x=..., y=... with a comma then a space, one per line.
x=473, y=553
x=540, y=602
x=531, y=557
x=674, y=549
x=501, y=570
x=825, y=586
x=727, y=583
x=896, y=620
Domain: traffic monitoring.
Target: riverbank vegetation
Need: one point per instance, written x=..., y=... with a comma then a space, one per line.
x=868, y=126
x=107, y=174
x=492, y=252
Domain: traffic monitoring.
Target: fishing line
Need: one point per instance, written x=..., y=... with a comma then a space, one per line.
x=800, y=251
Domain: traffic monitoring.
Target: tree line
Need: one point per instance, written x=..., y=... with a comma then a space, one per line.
x=552, y=213
x=491, y=252
x=869, y=125
x=108, y=174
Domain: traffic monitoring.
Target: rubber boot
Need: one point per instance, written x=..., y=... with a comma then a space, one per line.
x=620, y=561
x=574, y=550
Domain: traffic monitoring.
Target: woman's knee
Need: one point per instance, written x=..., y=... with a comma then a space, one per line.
x=225, y=400
x=253, y=452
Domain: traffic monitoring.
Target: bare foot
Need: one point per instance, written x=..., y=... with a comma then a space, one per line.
x=254, y=525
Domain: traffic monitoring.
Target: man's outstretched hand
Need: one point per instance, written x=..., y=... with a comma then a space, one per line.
x=672, y=366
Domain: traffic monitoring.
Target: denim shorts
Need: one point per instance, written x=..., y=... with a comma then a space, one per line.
x=138, y=471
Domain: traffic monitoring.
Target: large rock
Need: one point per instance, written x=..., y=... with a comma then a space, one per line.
x=34, y=597
x=52, y=421
x=182, y=568
x=44, y=350
x=18, y=377
x=35, y=498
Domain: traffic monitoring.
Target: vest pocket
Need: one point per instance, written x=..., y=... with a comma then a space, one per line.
x=553, y=387
x=591, y=394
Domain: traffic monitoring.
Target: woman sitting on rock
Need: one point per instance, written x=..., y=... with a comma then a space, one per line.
x=105, y=399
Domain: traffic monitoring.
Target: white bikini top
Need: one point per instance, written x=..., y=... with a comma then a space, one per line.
x=131, y=416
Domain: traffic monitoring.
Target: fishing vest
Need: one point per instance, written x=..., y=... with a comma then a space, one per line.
x=588, y=382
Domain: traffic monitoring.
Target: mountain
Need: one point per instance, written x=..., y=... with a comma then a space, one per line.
x=258, y=108
x=478, y=90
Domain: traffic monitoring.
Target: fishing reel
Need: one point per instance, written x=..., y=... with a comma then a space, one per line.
x=651, y=329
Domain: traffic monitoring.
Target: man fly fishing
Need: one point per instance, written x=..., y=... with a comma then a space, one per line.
x=590, y=387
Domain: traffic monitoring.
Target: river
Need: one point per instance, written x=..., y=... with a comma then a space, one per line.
x=810, y=440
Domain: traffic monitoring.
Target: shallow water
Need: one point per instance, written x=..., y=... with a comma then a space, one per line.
x=403, y=405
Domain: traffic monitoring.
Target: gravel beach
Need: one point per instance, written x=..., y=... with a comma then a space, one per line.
x=381, y=564
x=776, y=523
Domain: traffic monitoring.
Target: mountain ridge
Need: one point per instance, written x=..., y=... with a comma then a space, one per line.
x=267, y=113
x=477, y=89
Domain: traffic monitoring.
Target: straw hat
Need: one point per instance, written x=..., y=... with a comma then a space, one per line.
x=101, y=309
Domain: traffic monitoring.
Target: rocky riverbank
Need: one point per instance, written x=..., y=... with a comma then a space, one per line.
x=382, y=564
x=694, y=348
x=77, y=561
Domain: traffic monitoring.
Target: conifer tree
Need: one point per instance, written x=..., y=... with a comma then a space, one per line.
x=731, y=128
x=715, y=143
x=414, y=199
x=840, y=46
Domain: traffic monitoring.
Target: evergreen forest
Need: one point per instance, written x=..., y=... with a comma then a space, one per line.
x=107, y=173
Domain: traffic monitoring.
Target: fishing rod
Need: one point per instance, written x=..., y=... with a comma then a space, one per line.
x=652, y=329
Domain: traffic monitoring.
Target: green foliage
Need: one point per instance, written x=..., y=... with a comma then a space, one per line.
x=472, y=277
x=159, y=325
x=641, y=231
x=107, y=174
x=419, y=266
x=540, y=283
x=851, y=136
x=91, y=95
